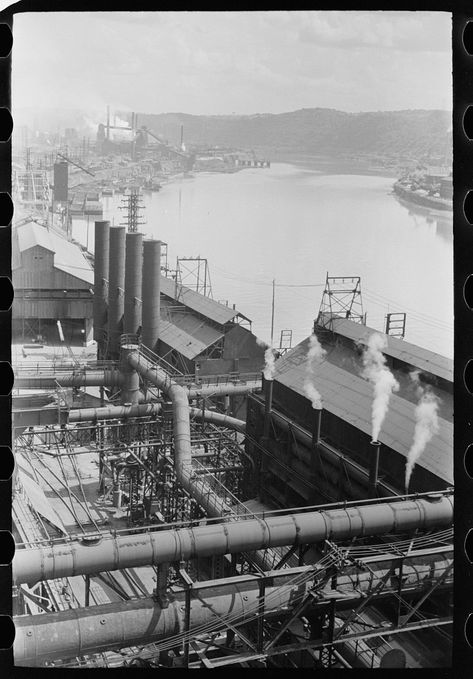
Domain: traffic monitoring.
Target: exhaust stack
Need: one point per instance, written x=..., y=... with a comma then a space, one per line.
x=133, y=282
x=374, y=465
x=101, y=269
x=116, y=287
x=151, y=291
x=268, y=402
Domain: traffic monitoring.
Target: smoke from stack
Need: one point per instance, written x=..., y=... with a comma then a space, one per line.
x=427, y=424
x=383, y=381
x=269, y=359
x=315, y=354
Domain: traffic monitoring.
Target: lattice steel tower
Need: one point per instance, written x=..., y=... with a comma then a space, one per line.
x=133, y=205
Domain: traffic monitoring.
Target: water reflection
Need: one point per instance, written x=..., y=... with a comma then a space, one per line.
x=440, y=223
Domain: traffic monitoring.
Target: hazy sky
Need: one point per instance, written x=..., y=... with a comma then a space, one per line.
x=232, y=62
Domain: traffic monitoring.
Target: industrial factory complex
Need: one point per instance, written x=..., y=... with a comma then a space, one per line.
x=186, y=496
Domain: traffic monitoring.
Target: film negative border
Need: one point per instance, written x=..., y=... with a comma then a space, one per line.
x=6, y=376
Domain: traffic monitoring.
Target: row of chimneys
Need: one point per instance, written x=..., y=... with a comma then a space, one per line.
x=127, y=283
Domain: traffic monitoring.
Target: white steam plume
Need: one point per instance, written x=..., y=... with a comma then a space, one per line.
x=427, y=424
x=269, y=359
x=315, y=354
x=383, y=381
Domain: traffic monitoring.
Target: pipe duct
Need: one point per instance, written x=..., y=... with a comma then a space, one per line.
x=128, y=551
x=143, y=621
x=101, y=268
x=82, y=378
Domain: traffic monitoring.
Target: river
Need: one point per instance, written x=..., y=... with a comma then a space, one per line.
x=294, y=225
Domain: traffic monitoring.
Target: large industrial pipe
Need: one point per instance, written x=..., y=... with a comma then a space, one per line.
x=101, y=267
x=113, y=412
x=147, y=409
x=133, y=282
x=78, y=632
x=116, y=288
x=82, y=378
x=229, y=389
x=112, y=553
x=130, y=392
x=151, y=293
x=220, y=419
x=198, y=488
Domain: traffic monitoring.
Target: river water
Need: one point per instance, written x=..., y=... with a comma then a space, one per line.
x=294, y=225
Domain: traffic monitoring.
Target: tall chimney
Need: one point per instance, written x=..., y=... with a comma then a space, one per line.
x=374, y=465
x=151, y=290
x=116, y=287
x=133, y=282
x=101, y=261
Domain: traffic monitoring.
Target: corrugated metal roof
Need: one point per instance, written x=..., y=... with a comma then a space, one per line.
x=189, y=336
x=197, y=302
x=68, y=257
x=350, y=397
x=423, y=359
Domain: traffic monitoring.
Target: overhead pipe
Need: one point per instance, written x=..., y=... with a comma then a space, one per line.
x=141, y=549
x=148, y=409
x=113, y=412
x=133, y=282
x=151, y=293
x=220, y=419
x=83, y=378
x=116, y=287
x=101, y=273
x=229, y=389
x=138, y=622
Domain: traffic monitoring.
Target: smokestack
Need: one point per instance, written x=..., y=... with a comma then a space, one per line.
x=151, y=290
x=101, y=262
x=268, y=392
x=133, y=282
x=374, y=465
x=108, y=122
x=317, y=423
x=182, y=134
x=116, y=287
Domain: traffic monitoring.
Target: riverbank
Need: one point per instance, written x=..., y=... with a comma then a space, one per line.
x=422, y=199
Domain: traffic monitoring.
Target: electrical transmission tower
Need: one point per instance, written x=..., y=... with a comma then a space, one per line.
x=132, y=204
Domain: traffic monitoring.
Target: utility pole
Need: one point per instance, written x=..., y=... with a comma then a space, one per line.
x=272, y=313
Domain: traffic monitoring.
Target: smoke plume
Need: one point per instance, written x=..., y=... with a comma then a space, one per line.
x=315, y=354
x=427, y=424
x=269, y=361
x=383, y=381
